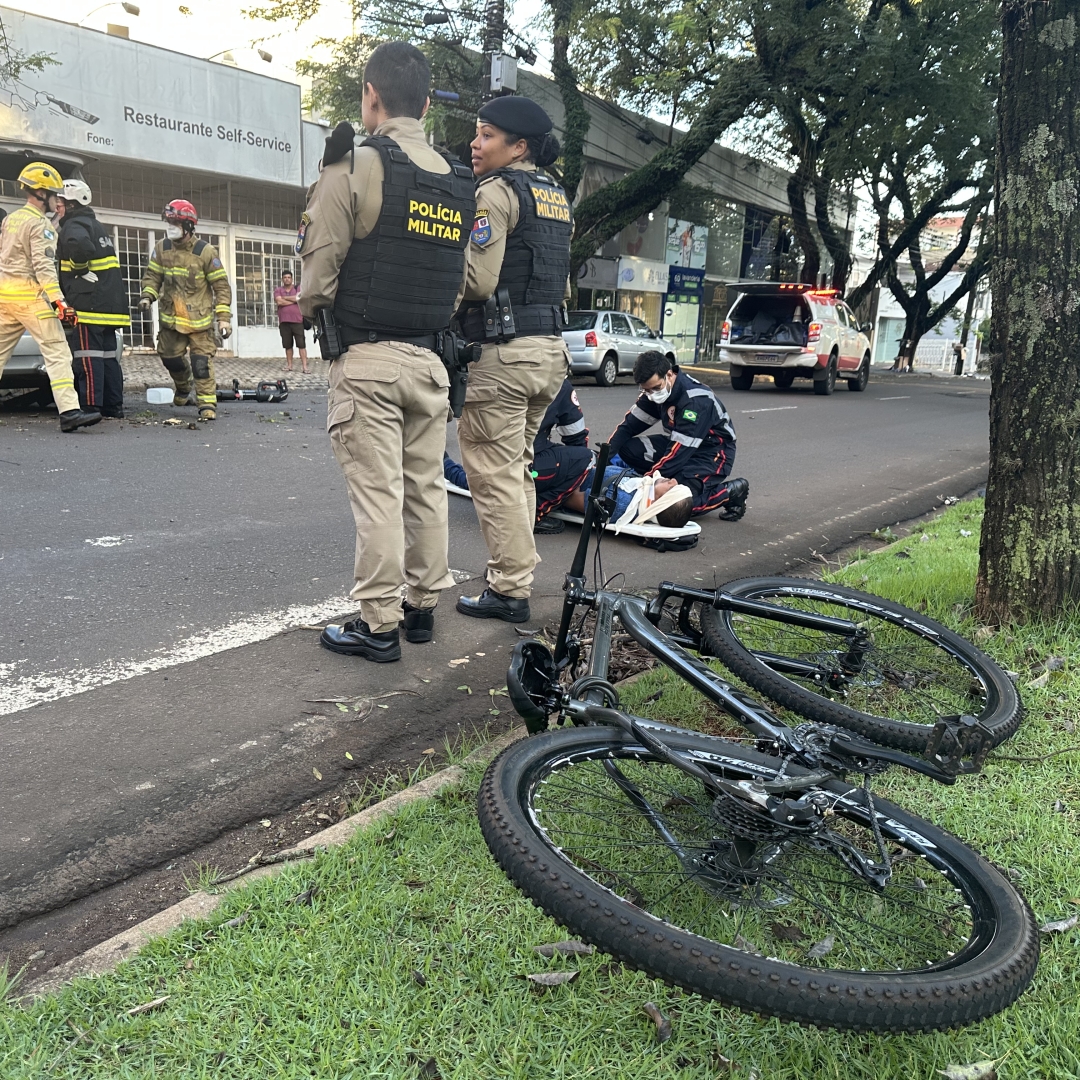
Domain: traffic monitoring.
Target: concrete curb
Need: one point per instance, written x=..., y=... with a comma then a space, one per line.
x=108, y=955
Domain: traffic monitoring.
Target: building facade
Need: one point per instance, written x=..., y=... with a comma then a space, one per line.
x=143, y=125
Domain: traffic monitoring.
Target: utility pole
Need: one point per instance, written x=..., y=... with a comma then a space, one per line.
x=500, y=70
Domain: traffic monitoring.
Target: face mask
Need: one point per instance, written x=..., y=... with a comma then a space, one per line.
x=174, y=232
x=658, y=397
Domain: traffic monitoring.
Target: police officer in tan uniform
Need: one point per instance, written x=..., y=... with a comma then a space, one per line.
x=519, y=259
x=30, y=294
x=382, y=246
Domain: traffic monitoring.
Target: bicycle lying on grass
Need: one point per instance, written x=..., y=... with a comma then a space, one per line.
x=757, y=871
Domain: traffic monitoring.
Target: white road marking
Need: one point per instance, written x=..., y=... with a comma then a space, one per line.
x=109, y=541
x=902, y=397
x=778, y=408
x=19, y=693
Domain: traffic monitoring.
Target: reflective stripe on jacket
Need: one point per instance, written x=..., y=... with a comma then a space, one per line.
x=189, y=283
x=28, y=259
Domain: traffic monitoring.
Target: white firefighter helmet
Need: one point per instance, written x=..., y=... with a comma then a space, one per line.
x=76, y=191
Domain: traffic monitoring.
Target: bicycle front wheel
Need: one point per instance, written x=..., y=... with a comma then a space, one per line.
x=916, y=672
x=644, y=862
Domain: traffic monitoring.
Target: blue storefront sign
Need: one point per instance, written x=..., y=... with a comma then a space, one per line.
x=686, y=280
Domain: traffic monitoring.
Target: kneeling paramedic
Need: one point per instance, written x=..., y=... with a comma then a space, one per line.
x=191, y=287
x=382, y=247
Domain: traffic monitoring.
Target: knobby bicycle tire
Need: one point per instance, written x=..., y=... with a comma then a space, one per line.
x=917, y=669
x=624, y=903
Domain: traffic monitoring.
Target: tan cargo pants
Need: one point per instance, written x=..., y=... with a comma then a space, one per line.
x=387, y=424
x=38, y=317
x=510, y=388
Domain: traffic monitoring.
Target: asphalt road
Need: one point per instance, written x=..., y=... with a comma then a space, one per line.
x=156, y=686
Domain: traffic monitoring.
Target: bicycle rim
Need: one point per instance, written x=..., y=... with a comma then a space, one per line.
x=750, y=914
x=916, y=672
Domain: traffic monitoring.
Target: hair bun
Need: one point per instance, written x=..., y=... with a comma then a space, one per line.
x=549, y=150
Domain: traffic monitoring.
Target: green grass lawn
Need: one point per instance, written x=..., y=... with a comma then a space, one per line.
x=404, y=953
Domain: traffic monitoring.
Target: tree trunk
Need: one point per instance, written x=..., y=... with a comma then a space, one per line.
x=1030, y=552
x=800, y=223
x=577, y=120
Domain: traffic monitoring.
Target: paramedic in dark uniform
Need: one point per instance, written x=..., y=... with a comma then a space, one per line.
x=519, y=261
x=558, y=467
x=382, y=245
x=696, y=445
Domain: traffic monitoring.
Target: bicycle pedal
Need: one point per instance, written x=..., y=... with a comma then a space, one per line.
x=959, y=744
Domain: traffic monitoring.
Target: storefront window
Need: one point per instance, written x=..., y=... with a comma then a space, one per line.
x=259, y=266
x=645, y=305
x=133, y=247
x=595, y=299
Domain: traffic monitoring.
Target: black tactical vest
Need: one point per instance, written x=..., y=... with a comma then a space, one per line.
x=537, y=258
x=403, y=278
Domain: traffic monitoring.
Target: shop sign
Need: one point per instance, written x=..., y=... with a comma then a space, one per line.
x=682, y=279
x=599, y=274
x=107, y=96
x=642, y=275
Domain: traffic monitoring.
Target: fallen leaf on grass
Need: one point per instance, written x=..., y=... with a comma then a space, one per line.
x=348, y=755
x=430, y=1070
x=902, y=555
x=821, y=948
x=1059, y=926
x=553, y=978
x=1040, y=682
x=147, y=1006
x=467, y=689
x=663, y=1024
x=315, y=772
x=979, y=1070
x=305, y=897
x=567, y=948
x=387, y=837
x=746, y=946
x=429, y=751
x=419, y=978
x=786, y=932
x=727, y=1067
x=239, y=920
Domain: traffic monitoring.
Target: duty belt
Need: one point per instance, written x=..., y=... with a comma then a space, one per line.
x=352, y=336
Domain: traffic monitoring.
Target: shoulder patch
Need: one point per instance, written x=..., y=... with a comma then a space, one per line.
x=689, y=414
x=301, y=233
x=48, y=234
x=215, y=263
x=481, y=231
x=574, y=398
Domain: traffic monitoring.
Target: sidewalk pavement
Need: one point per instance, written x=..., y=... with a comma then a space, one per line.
x=144, y=369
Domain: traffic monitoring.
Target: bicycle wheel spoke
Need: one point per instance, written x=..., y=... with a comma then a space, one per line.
x=780, y=897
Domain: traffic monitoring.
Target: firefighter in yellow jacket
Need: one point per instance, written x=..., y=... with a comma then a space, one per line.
x=186, y=278
x=30, y=295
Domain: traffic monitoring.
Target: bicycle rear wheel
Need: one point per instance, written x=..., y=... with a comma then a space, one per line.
x=916, y=672
x=754, y=914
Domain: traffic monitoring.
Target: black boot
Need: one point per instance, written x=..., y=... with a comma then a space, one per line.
x=419, y=623
x=77, y=418
x=356, y=639
x=735, y=507
x=492, y=605
x=549, y=526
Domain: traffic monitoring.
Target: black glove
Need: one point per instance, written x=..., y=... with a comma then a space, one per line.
x=339, y=143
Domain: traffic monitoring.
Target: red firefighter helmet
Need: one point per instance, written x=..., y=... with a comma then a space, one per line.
x=181, y=212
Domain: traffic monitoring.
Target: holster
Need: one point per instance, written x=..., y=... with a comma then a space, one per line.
x=327, y=334
x=456, y=355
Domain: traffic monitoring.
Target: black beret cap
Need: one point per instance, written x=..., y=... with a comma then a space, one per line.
x=516, y=115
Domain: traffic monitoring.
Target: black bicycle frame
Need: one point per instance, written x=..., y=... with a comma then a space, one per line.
x=841, y=749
